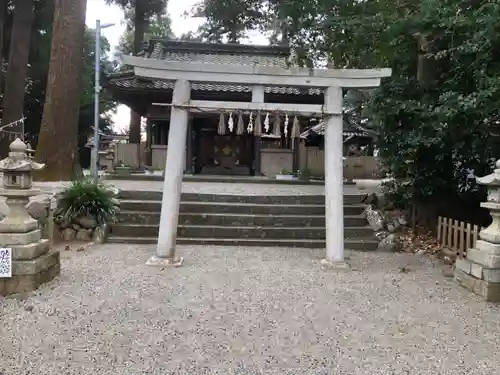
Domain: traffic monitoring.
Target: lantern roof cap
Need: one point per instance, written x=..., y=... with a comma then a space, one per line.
x=18, y=160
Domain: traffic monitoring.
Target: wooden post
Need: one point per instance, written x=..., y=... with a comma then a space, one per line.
x=461, y=245
x=149, y=142
x=257, y=97
x=189, y=147
x=296, y=146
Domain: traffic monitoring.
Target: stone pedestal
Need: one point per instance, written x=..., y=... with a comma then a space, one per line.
x=480, y=271
x=33, y=263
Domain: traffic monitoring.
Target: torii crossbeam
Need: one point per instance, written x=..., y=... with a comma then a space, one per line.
x=331, y=80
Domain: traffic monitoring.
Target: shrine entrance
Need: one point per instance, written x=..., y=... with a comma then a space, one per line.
x=259, y=86
x=220, y=154
x=224, y=154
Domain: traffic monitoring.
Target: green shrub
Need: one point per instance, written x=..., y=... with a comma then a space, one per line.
x=286, y=172
x=304, y=174
x=84, y=198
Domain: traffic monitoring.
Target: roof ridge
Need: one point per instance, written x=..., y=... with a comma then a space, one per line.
x=176, y=45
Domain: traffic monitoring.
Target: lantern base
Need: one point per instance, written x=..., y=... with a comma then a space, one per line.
x=28, y=275
x=488, y=290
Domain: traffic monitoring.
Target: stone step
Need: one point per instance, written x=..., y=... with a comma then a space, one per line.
x=233, y=207
x=238, y=219
x=135, y=176
x=350, y=244
x=229, y=198
x=206, y=231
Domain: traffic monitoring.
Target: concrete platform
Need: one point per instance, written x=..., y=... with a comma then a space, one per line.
x=489, y=291
x=28, y=275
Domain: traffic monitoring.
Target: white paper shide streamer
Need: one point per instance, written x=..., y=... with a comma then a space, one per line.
x=230, y=123
x=285, y=128
x=12, y=135
x=250, y=123
x=266, y=123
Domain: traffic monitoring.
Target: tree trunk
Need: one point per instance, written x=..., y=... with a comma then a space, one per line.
x=58, y=140
x=233, y=35
x=17, y=70
x=426, y=65
x=140, y=25
x=3, y=17
x=425, y=76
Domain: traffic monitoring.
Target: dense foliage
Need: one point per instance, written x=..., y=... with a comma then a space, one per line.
x=84, y=198
x=158, y=26
x=437, y=117
x=138, y=14
x=38, y=71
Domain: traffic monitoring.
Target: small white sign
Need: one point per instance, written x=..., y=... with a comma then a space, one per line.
x=53, y=203
x=5, y=262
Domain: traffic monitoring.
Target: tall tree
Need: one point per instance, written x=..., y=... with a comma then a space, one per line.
x=57, y=146
x=140, y=27
x=437, y=117
x=17, y=70
x=142, y=11
x=3, y=17
x=159, y=26
x=229, y=19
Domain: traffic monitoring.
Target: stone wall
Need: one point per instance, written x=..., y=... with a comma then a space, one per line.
x=80, y=229
x=84, y=229
x=387, y=223
x=274, y=160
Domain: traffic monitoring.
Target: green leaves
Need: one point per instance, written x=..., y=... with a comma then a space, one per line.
x=159, y=26
x=437, y=134
x=106, y=66
x=434, y=127
x=84, y=198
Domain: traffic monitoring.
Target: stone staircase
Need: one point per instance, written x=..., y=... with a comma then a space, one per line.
x=211, y=219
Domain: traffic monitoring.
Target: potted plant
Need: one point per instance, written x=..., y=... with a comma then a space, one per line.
x=148, y=170
x=286, y=175
x=86, y=208
x=318, y=177
x=122, y=169
x=304, y=174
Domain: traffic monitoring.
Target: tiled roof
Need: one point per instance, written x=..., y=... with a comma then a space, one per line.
x=173, y=51
x=217, y=53
x=349, y=129
x=218, y=58
x=158, y=84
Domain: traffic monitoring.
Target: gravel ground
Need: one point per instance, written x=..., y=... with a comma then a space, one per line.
x=247, y=311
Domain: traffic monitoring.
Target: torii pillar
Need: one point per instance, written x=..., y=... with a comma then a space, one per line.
x=172, y=183
x=334, y=179
x=331, y=80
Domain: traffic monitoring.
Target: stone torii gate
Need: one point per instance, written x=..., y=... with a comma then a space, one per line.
x=331, y=80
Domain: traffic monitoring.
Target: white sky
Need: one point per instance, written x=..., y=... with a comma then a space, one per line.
x=97, y=9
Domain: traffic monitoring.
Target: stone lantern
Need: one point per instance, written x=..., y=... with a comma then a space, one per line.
x=17, y=167
x=33, y=263
x=480, y=270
